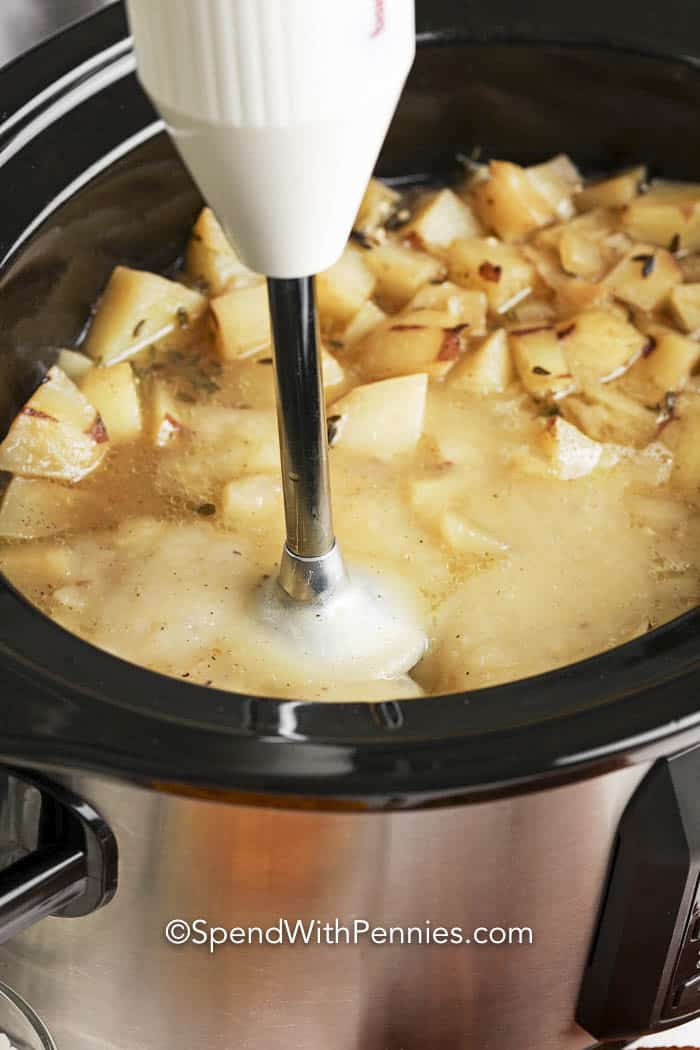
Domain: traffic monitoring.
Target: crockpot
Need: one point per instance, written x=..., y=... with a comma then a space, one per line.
x=137, y=810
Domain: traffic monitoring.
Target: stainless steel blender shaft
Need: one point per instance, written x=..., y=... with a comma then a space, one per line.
x=311, y=563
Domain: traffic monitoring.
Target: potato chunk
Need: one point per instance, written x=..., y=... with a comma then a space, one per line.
x=467, y=538
x=541, y=363
x=33, y=508
x=368, y=317
x=227, y=441
x=667, y=362
x=211, y=261
x=382, y=419
x=242, y=322
x=644, y=277
x=408, y=343
x=685, y=306
x=666, y=215
x=572, y=293
x=608, y=415
x=138, y=310
x=611, y=193
x=58, y=434
x=432, y=496
x=497, y=270
x=74, y=364
x=509, y=203
x=113, y=393
x=166, y=418
x=219, y=444
x=378, y=205
x=441, y=218
x=581, y=255
x=557, y=180
x=333, y=373
x=344, y=288
x=599, y=345
x=569, y=452
x=683, y=437
x=400, y=271
x=466, y=305
x=486, y=370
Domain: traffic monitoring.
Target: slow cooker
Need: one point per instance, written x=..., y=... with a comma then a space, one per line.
x=566, y=807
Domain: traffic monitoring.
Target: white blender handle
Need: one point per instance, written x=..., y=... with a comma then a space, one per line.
x=279, y=109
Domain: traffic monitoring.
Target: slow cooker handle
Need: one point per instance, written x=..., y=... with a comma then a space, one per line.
x=71, y=872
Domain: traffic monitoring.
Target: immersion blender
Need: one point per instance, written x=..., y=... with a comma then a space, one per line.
x=279, y=109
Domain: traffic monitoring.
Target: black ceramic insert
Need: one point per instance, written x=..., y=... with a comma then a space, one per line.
x=94, y=182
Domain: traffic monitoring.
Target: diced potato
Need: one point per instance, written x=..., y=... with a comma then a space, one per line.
x=685, y=306
x=607, y=415
x=644, y=277
x=408, y=343
x=33, y=508
x=571, y=293
x=666, y=215
x=242, y=322
x=430, y=497
x=113, y=393
x=342, y=290
x=219, y=444
x=59, y=397
x=368, y=317
x=378, y=205
x=234, y=441
x=569, y=452
x=251, y=500
x=597, y=225
x=541, y=364
x=441, y=218
x=599, y=345
x=682, y=437
x=498, y=270
x=333, y=372
x=74, y=364
x=58, y=434
x=466, y=538
x=486, y=370
x=509, y=203
x=464, y=304
x=667, y=362
x=557, y=180
x=612, y=193
x=211, y=261
x=580, y=254
x=534, y=310
x=138, y=310
x=382, y=419
x=166, y=417
x=400, y=271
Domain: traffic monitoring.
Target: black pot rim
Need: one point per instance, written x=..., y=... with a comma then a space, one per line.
x=69, y=705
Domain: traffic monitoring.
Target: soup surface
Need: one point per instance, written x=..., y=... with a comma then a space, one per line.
x=514, y=421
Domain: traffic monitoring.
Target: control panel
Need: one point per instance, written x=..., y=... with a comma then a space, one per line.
x=643, y=973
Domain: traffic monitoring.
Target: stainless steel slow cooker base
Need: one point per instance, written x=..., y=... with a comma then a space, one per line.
x=111, y=980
